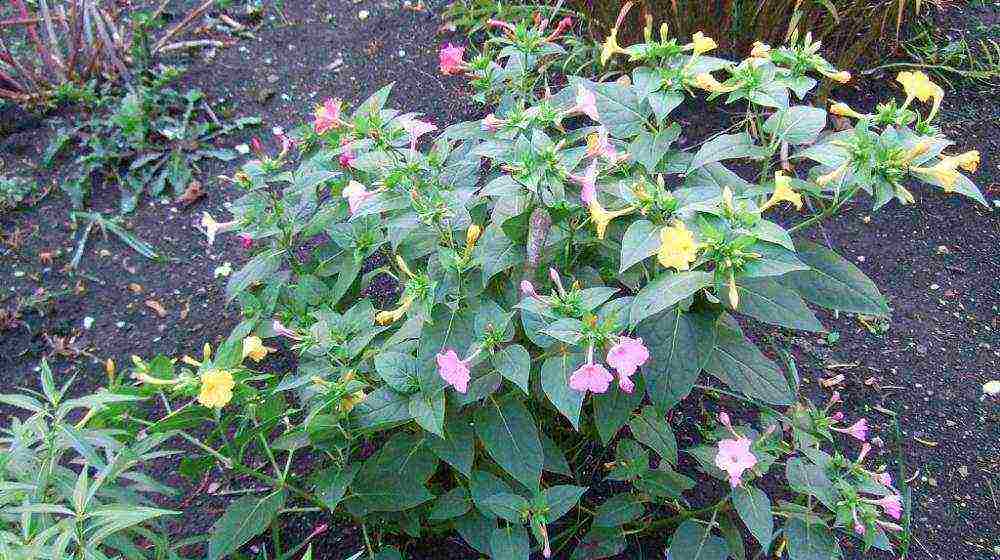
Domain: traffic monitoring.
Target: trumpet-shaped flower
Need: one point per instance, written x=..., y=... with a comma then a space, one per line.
x=701, y=44
x=450, y=59
x=216, y=388
x=678, y=249
x=213, y=228
x=917, y=85
x=586, y=103
x=783, y=192
x=943, y=173
x=416, y=128
x=453, y=370
x=327, y=116
x=760, y=50
x=832, y=176
x=857, y=430
x=891, y=505
x=707, y=82
x=844, y=110
x=602, y=217
x=253, y=348
x=735, y=458
x=356, y=195
x=599, y=145
x=625, y=357
x=588, y=183
x=282, y=330
x=968, y=161
x=841, y=77
x=491, y=123
x=389, y=317
x=590, y=377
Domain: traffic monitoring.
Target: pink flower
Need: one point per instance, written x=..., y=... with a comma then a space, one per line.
x=245, y=241
x=859, y=529
x=564, y=24
x=588, y=181
x=528, y=289
x=282, y=330
x=502, y=24
x=327, y=116
x=491, y=123
x=734, y=457
x=599, y=145
x=836, y=398
x=257, y=146
x=586, y=103
x=590, y=377
x=450, y=59
x=837, y=416
x=416, y=128
x=626, y=357
x=724, y=420
x=890, y=504
x=453, y=370
x=857, y=430
x=885, y=479
x=356, y=195
x=347, y=156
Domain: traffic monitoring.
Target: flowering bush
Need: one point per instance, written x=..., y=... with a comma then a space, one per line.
x=566, y=276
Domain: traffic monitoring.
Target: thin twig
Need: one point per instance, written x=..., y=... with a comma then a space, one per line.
x=192, y=15
x=181, y=45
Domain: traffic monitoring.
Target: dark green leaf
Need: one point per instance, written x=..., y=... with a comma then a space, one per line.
x=834, y=283
x=243, y=520
x=754, y=508
x=652, y=430
x=679, y=344
x=741, y=365
x=509, y=435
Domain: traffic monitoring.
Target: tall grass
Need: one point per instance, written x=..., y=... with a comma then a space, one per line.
x=849, y=29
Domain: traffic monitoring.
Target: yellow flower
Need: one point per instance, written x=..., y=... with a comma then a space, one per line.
x=834, y=175
x=253, y=348
x=943, y=173
x=968, y=161
x=918, y=86
x=701, y=44
x=678, y=249
x=611, y=47
x=348, y=402
x=216, y=388
x=844, y=110
x=783, y=192
x=402, y=266
x=734, y=294
x=841, y=77
x=602, y=217
x=471, y=236
x=760, y=50
x=916, y=151
x=389, y=317
x=708, y=82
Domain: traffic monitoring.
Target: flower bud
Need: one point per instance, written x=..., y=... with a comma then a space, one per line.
x=471, y=236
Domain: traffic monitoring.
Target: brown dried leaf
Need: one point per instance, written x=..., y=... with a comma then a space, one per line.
x=192, y=193
x=135, y=288
x=157, y=307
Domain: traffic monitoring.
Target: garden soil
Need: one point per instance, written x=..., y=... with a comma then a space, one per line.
x=937, y=261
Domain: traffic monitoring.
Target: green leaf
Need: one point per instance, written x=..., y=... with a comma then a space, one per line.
x=834, y=283
x=774, y=260
x=754, y=508
x=399, y=371
x=483, y=485
x=381, y=409
x=741, y=365
x=507, y=506
x=768, y=301
x=555, y=461
x=695, y=541
x=811, y=479
x=619, y=510
x=510, y=436
x=810, y=540
x=799, y=124
x=679, y=344
x=648, y=149
x=457, y=447
x=613, y=409
x=476, y=529
x=388, y=553
x=652, y=430
x=497, y=252
x=641, y=241
x=428, y=411
x=665, y=291
x=560, y=499
x=514, y=364
x=509, y=543
x=331, y=484
x=243, y=520
x=455, y=503
x=555, y=375
x=664, y=482
x=723, y=147
x=257, y=270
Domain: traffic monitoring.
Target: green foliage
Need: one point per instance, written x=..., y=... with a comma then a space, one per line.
x=15, y=190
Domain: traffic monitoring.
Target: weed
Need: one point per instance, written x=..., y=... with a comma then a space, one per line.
x=110, y=224
x=15, y=190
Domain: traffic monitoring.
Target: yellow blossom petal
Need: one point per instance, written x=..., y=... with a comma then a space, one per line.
x=253, y=348
x=734, y=294
x=348, y=402
x=602, y=218
x=388, y=317
x=783, y=192
x=917, y=85
x=760, y=50
x=844, y=110
x=702, y=44
x=968, y=161
x=611, y=47
x=216, y=388
x=834, y=175
x=943, y=173
x=678, y=249
x=918, y=150
x=471, y=236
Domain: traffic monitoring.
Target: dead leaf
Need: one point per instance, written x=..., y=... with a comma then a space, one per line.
x=45, y=257
x=186, y=310
x=135, y=288
x=192, y=193
x=157, y=307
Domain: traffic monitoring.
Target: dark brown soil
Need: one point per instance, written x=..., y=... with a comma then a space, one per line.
x=937, y=261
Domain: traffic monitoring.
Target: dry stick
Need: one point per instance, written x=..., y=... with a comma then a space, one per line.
x=190, y=45
x=10, y=58
x=43, y=53
x=110, y=46
x=159, y=9
x=237, y=26
x=19, y=21
x=74, y=35
x=192, y=15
